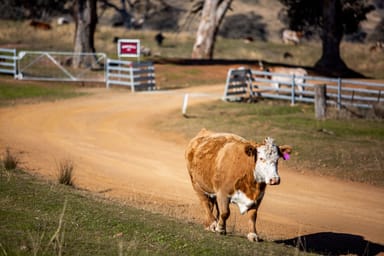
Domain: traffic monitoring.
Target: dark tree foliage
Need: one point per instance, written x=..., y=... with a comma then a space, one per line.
x=353, y=12
x=308, y=14
x=331, y=19
x=35, y=9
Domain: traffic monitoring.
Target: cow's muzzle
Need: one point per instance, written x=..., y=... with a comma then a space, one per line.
x=274, y=181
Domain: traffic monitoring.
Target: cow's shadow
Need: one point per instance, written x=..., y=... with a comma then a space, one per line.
x=329, y=243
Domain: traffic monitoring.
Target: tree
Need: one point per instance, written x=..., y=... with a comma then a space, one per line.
x=332, y=34
x=212, y=14
x=125, y=16
x=85, y=13
x=332, y=19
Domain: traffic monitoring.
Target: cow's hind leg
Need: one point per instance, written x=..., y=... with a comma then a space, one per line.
x=224, y=212
x=208, y=203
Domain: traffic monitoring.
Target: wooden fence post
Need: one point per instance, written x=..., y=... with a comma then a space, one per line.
x=320, y=101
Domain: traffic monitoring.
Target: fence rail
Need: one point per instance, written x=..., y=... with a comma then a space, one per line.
x=247, y=84
x=8, y=61
x=137, y=75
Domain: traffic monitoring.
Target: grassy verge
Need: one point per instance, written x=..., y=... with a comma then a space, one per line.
x=37, y=218
x=350, y=149
x=12, y=92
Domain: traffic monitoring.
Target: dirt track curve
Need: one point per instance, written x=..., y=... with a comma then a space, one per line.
x=118, y=154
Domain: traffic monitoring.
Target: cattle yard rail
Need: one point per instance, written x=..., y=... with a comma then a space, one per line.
x=247, y=84
x=8, y=61
x=137, y=75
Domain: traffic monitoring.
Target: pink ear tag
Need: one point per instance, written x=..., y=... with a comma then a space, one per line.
x=286, y=156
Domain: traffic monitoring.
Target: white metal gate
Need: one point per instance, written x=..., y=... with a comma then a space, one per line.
x=57, y=66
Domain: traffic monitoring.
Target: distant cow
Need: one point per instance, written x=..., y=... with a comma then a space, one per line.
x=62, y=21
x=287, y=55
x=40, y=25
x=226, y=168
x=145, y=51
x=283, y=76
x=159, y=38
x=291, y=36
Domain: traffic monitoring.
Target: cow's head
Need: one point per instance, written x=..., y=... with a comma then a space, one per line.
x=267, y=156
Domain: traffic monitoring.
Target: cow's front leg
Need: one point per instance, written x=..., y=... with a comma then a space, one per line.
x=252, y=234
x=224, y=212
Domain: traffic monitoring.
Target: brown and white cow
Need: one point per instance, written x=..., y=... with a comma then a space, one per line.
x=226, y=168
x=40, y=25
x=284, y=76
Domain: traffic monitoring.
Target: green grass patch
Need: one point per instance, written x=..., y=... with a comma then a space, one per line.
x=38, y=218
x=12, y=92
x=350, y=149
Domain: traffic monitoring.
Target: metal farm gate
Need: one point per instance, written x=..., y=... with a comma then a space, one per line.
x=58, y=66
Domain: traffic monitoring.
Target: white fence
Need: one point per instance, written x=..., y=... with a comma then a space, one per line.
x=58, y=66
x=8, y=61
x=247, y=84
x=137, y=75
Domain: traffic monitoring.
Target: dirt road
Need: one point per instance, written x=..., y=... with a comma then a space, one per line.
x=118, y=154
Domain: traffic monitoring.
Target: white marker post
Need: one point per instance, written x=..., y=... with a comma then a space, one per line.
x=185, y=104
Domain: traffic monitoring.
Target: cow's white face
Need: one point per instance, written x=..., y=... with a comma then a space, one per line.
x=266, y=169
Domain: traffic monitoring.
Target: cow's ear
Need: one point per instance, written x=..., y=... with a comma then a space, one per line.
x=285, y=151
x=250, y=150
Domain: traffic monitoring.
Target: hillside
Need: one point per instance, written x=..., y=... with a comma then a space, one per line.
x=256, y=19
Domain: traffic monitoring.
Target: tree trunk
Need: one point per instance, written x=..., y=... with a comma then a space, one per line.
x=86, y=21
x=212, y=15
x=332, y=33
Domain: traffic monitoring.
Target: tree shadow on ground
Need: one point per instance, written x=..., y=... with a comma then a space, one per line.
x=329, y=243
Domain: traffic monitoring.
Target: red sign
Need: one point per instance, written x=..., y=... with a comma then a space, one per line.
x=129, y=48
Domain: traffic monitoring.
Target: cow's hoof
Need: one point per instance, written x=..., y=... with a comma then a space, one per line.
x=212, y=227
x=221, y=230
x=252, y=237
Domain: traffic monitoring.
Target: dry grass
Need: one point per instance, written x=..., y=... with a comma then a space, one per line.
x=65, y=171
x=10, y=161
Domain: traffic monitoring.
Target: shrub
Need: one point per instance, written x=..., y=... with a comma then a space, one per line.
x=65, y=173
x=10, y=161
